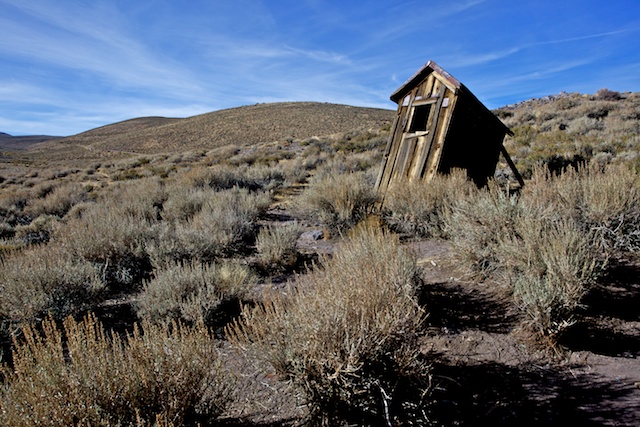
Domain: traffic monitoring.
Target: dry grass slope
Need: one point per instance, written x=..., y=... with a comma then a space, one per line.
x=238, y=126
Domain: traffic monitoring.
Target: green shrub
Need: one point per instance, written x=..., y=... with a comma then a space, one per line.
x=158, y=375
x=339, y=201
x=346, y=334
x=193, y=292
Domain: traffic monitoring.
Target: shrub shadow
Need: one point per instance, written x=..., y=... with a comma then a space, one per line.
x=589, y=336
x=457, y=307
x=499, y=395
x=618, y=294
x=616, y=299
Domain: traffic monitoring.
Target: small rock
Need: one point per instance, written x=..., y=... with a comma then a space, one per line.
x=312, y=235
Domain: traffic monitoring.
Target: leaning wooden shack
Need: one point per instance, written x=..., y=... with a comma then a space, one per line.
x=440, y=125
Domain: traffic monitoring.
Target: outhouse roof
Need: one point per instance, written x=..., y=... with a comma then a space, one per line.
x=430, y=67
x=449, y=81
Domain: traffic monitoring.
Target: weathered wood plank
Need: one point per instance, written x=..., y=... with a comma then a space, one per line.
x=433, y=163
x=432, y=126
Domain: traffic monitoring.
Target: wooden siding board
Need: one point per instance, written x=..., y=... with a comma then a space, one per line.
x=390, y=164
x=431, y=136
x=387, y=153
x=433, y=162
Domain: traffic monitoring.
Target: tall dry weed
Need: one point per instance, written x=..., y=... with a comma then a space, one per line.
x=82, y=376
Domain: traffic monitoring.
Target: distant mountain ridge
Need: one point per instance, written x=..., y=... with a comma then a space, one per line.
x=246, y=125
x=10, y=142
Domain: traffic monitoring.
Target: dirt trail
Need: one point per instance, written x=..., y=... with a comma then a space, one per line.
x=486, y=373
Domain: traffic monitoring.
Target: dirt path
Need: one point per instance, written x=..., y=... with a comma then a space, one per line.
x=486, y=374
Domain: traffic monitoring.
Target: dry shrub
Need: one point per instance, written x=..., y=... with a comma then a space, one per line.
x=193, y=292
x=141, y=200
x=58, y=201
x=44, y=279
x=218, y=177
x=339, y=201
x=224, y=177
x=80, y=376
x=182, y=204
x=601, y=200
x=544, y=246
x=38, y=231
x=419, y=207
x=224, y=225
x=277, y=247
x=550, y=265
x=346, y=333
x=474, y=226
x=112, y=239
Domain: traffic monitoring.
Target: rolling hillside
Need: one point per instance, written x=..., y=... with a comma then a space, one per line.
x=239, y=126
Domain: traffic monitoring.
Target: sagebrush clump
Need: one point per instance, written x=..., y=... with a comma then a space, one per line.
x=193, y=292
x=419, y=208
x=277, y=247
x=339, y=201
x=346, y=334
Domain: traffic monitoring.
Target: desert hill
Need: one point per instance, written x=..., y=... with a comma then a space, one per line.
x=247, y=125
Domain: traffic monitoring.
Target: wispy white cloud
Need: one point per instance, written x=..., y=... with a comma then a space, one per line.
x=69, y=40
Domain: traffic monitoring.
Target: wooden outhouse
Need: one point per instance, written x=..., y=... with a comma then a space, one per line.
x=440, y=125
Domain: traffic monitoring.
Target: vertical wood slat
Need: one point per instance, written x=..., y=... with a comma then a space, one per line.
x=389, y=170
x=433, y=162
x=388, y=158
x=410, y=156
x=433, y=137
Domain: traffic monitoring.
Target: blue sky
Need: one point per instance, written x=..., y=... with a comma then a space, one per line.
x=71, y=65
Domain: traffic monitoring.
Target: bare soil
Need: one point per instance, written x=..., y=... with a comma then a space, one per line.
x=488, y=372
